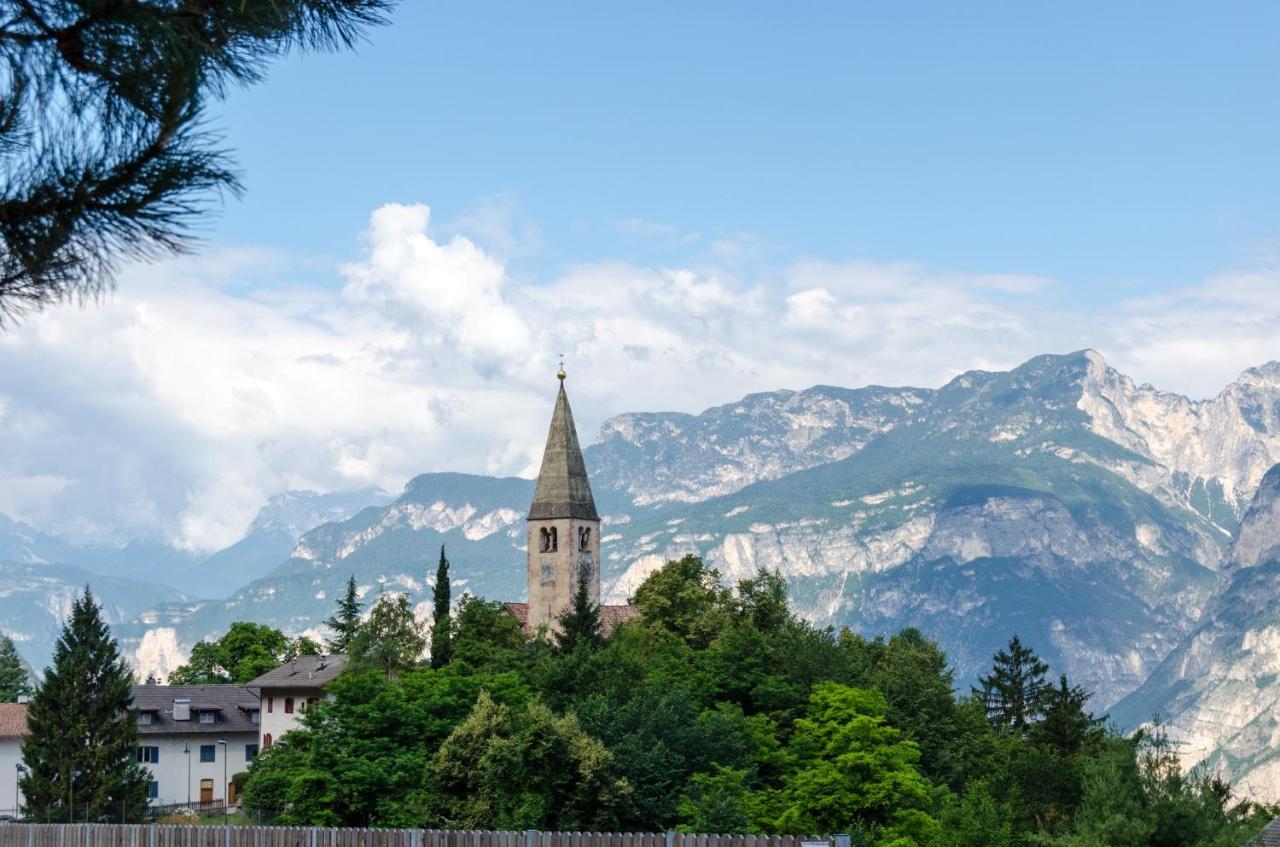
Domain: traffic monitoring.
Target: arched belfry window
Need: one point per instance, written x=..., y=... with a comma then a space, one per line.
x=584, y=538
x=555, y=545
x=544, y=540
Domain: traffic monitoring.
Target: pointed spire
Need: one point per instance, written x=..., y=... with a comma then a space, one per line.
x=563, y=490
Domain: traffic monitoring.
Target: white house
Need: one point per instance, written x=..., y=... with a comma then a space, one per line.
x=285, y=693
x=194, y=738
x=13, y=725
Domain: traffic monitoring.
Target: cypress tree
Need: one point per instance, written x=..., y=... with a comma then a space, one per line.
x=346, y=621
x=15, y=679
x=82, y=719
x=1014, y=690
x=580, y=623
x=441, y=621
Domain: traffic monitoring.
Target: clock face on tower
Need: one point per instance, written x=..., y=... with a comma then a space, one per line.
x=586, y=565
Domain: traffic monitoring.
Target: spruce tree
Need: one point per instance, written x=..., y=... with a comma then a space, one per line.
x=441, y=620
x=82, y=719
x=580, y=623
x=346, y=621
x=1065, y=724
x=15, y=679
x=1014, y=690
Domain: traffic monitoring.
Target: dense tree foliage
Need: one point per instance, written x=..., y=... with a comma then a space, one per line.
x=81, y=749
x=391, y=639
x=245, y=652
x=717, y=709
x=103, y=154
x=15, y=678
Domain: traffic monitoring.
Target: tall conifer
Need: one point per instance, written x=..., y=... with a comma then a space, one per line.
x=15, y=679
x=1014, y=690
x=345, y=622
x=580, y=623
x=82, y=719
x=441, y=619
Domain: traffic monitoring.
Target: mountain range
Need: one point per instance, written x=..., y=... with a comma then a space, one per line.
x=1104, y=522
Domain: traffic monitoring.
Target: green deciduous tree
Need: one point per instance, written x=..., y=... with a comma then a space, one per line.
x=685, y=598
x=81, y=719
x=345, y=621
x=851, y=769
x=520, y=768
x=15, y=678
x=441, y=616
x=246, y=651
x=103, y=151
x=1014, y=690
x=391, y=640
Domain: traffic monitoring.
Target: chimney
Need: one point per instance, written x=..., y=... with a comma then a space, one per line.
x=182, y=710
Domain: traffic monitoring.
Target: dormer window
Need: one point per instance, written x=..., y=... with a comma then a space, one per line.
x=253, y=716
x=144, y=719
x=584, y=538
x=206, y=717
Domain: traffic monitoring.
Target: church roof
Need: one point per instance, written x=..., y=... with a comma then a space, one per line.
x=563, y=490
x=611, y=617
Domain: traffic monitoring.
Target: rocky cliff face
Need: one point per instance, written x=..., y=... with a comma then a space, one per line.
x=1219, y=689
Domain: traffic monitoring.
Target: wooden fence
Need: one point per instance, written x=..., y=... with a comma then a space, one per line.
x=168, y=835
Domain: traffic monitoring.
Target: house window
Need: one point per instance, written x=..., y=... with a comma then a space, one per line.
x=266, y=741
x=153, y=790
x=149, y=755
x=271, y=704
x=207, y=717
x=250, y=750
x=208, y=753
x=288, y=705
x=253, y=716
x=144, y=718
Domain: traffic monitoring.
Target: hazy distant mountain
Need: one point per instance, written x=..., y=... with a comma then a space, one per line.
x=271, y=537
x=1058, y=500
x=35, y=599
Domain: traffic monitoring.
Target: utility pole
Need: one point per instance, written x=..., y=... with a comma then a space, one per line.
x=186, y=748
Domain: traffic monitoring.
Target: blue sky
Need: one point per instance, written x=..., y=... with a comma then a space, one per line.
x=693, y=202
x=1116, y=148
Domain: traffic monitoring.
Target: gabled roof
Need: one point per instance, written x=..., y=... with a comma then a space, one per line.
x=13, y=720
x=232, y=707
x=302, y=672
x=563, y=490
x=1270, y=835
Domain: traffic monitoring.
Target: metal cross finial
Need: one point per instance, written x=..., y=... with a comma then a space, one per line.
x=560, y=374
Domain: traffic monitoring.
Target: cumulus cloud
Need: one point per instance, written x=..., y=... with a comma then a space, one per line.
x=176, y=407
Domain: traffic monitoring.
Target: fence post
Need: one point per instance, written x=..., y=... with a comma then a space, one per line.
x=841, y=840
x=529, y=837
x=151, y=835
x=313, y=836
x=31, y=835
x=671, y=839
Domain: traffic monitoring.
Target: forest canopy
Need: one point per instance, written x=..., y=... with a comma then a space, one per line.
x=719, y=710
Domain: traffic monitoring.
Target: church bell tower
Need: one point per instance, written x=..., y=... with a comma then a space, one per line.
x=564, y=528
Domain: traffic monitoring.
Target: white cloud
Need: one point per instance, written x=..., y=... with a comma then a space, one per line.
x=207, y=384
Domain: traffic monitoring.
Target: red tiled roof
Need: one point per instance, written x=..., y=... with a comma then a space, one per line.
x=13, y=720
x=611, y=617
